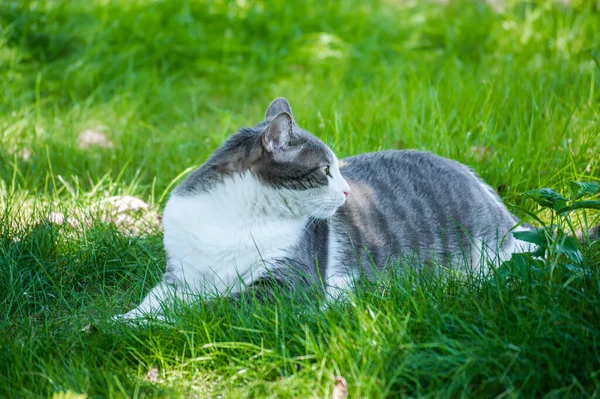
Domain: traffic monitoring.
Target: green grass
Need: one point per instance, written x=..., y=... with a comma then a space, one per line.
x=514, y=94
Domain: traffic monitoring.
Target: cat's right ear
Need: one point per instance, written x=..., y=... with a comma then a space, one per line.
x=278, y=106
x=279, y=133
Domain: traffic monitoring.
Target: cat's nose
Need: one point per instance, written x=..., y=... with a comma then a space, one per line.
x=345, y=188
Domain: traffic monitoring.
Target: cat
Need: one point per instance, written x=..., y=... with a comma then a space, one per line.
x=274, y=202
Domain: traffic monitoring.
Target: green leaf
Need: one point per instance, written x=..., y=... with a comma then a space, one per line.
x=540, y=252
x=531, y=214
x=536, y=236
x=576, y=272
x=516, y=267
x=559, y=205
x=587, y=204
x=547, y=198
x=519, y=267
x=569, y=247
x=583, y=189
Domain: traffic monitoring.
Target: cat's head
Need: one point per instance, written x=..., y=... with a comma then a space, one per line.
x=298, y=165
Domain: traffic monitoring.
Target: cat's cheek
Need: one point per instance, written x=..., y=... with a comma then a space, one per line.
x=339, y=193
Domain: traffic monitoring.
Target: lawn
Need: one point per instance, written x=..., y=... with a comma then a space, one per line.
x=105, y=105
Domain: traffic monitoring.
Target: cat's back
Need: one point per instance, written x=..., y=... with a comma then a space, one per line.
x=411, y=175
x=403, y=165
x=416, y=200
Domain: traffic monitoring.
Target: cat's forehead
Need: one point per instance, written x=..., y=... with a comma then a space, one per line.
x=310, y=149
x=317, y=151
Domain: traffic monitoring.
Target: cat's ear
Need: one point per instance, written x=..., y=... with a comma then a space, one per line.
x=279, y=133
x=278, y=106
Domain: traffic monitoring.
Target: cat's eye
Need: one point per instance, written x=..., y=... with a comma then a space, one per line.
x=326, y=170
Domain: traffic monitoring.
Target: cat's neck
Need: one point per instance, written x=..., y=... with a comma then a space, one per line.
x=242, y=197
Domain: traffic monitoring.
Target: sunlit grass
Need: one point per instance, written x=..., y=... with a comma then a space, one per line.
x=513, y=93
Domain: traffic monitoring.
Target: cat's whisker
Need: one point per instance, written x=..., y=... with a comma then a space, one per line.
x=312, y=218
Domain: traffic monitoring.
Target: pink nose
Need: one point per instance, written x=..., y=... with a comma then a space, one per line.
x=347, y=194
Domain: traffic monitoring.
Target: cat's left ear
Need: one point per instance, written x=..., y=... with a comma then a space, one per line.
x=279, y=133
x=278, y=106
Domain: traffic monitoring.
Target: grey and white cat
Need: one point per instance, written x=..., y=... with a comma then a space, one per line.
x=275, y=202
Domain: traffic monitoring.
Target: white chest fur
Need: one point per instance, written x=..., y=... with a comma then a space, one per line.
x=234, y=231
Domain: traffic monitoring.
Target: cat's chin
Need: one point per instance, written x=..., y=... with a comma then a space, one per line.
x=326, y=213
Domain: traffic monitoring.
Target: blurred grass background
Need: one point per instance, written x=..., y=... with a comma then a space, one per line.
x=512, y=89
x=513, y=93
